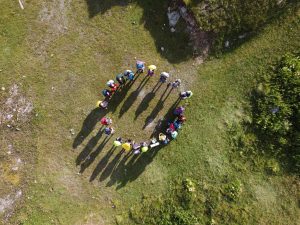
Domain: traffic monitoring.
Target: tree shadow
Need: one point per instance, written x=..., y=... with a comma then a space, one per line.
x=156, y=22
x=143, y=106
x=133, y=97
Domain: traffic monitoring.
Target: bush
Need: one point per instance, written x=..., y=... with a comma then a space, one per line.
x=172, y=209
x=229, y=18
x=232, y=190
x=276, y=109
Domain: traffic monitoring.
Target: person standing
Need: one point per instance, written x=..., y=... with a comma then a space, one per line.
x=151, y=70
x=140, y=67
x=102, y=104
x=121, y=79
x=106, y=93
x=185, y=94
x=164, y=76
x=109, y=130
x=176, y=83
x=105, y=121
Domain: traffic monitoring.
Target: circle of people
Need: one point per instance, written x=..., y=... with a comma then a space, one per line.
x=173, y=126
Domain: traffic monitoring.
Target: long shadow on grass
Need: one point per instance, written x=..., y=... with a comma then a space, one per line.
x=96, y=114
x=133, y=97
x=155, y=20
x=143, y=106
x=89, y=147
x=127, y=168
x=159, y=106
x=91, y=157
x=88, y=126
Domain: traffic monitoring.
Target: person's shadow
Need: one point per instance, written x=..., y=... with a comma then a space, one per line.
x=143, y=106
x=88, y=125
x=91, y=157
x=133, y=96
x=121, y=171
x=102, y=164
x=89, y=147
x=159, y=106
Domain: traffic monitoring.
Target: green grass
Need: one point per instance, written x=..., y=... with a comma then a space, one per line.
x=78, y=60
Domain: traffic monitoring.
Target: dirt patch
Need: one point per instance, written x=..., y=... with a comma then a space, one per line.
x=53, y=22
x=92, y=219
x=7, y=203
x=54, y=15
x=16, y=108
x=199, y=39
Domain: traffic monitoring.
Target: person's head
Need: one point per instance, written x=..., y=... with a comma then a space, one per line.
x=119, y=139
x=98, y=104
x=181, y=118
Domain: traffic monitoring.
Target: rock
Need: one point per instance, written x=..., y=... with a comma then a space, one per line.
x=18, y=129
x=242, y=36
x=173, y=18
x=15, y=168
x=227, y=44
x=162, y=49
x=9, y=126
x=3, y=88
x=172, y=29
x=72, y=131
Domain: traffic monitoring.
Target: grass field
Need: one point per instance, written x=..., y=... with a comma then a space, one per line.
x=61, y=53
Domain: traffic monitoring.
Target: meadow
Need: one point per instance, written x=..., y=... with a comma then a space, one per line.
x=61, y=53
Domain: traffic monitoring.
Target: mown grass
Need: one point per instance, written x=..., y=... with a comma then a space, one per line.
x=66, y=70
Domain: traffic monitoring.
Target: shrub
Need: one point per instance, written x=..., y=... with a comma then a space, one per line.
x=228, y=18
x=172, y=209
x=232, y=190
x=276, y=109
x=272, y=166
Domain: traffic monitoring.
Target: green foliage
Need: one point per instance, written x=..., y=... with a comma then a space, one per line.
x=273, y=166
x=276, y=109
x=227, y=18
x=172, y=209
x=232, y=190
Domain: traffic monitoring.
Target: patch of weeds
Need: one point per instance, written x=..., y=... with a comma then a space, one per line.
x=273, y=129
x=272, y=167
x=175, y=208
x=232, y=190
x=276, y=116
x=213, y=199
x=186, y=195
x=234, y=20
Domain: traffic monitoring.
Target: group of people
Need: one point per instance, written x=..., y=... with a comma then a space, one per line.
x=130, y=146
x=129, y=76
